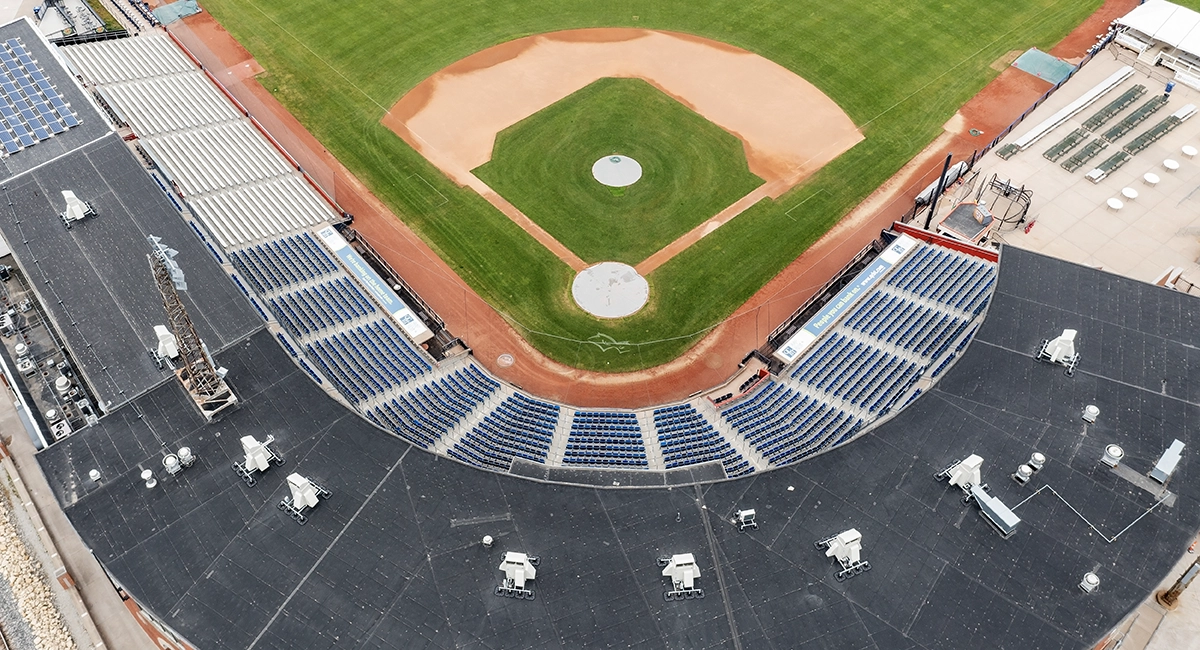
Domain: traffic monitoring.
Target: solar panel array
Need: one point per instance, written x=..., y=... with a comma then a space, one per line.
x=31, y=110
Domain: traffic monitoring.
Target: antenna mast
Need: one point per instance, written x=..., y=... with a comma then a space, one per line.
x=195, y=367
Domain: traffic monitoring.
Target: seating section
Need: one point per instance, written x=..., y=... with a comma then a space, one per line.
x=785, y=425
x=857, y=372
x=367, y=361
x=283, y=263
x=427, y=413
x=687, y=438
x=605, y=439
x=953, y=279
x=520, y=427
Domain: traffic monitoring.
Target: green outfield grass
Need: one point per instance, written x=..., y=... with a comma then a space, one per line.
x=691, y=170
x=898, y=69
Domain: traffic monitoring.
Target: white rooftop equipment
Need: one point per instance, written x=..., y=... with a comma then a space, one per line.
x=1061, y=350
x=172, y=465
x=993, y=510
x=488, y=541
x=94, y=475
x=1166, y=464
x=186, y=457
x=305, y=495
x=76, y=210
x=518, y=568
x=683, y=572
x=1112, y=455
x=259, y=456
x=745, y=519
x=846, y=546
x=1037, y=460
x=168, y=348
x=1090, y=413
x=1023, y=474
x=148, y=477
x=963, y=474
x=1090, y=582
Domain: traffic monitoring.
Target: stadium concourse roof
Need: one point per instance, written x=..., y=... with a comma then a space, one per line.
x=93, y=278
x=393, y=559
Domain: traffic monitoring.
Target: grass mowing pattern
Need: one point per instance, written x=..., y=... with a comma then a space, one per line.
x=691, y=170
x=899, y=69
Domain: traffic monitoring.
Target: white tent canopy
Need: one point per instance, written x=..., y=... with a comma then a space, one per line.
x=1166, y=22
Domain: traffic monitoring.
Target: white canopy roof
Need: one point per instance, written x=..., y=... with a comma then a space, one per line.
x=1166, y=22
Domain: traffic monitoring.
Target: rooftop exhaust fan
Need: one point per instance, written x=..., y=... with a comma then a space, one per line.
x=518, y=568
x=1060, y=351
x=683, y=572
x=305, y=495
x=745, y=519
x=846, y=546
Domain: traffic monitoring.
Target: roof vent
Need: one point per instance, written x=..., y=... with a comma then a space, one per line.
x=1090, y=413
x=1090, y=582
x=94, y=475
x=488, y=541
x=171, y=464
x=1112, y=455
x=1037, y=461
x=148, y=477
x=1023, y=474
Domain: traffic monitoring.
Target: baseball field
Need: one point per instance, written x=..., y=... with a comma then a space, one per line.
x=899, y=70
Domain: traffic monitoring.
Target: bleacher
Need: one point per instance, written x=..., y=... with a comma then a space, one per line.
x=605, y=439
x=785, y=425
x=283, y=263
x=520, y=427
x=428, y=412
x=687, y=438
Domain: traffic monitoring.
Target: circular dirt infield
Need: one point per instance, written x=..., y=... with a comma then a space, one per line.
x=617, y=171
x=610, y=290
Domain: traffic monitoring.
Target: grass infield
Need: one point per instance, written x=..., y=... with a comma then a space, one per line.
x=898, y=69
x=691, y=170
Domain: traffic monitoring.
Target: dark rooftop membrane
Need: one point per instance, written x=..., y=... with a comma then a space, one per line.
x=393, y=559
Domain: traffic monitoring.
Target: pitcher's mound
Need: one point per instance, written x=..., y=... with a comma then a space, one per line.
x=617, y=171
x=610, y=290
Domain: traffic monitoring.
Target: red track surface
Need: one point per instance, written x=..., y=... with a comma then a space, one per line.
x=715, y=358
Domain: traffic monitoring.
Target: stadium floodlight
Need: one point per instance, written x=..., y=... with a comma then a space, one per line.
x=166, y=255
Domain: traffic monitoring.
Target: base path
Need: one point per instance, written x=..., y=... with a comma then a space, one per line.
x=716, y=357
x=788, y=127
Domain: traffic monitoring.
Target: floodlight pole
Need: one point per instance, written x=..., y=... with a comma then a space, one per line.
x=941, y=186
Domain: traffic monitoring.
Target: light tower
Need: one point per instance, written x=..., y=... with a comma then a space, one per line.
x=194, y=368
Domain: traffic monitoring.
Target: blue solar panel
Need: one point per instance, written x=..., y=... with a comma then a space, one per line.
x=31, y=109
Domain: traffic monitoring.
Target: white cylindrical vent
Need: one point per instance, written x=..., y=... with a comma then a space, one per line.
x=1090, y=413
x=1024, y=473
x=94, y=475
x=1037, y=460
x=185, y=456
x=1090, y=582
x=62, y=385
x=21, y=349
x=487, y=541
x=52, y=416
x=148, y=477
x=171, y=463
x=1113, y=455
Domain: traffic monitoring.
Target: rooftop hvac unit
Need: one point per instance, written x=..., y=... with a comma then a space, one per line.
x=518, y=568
x=76, y=210
x=304, y=495
x=1166, y=464
x=259, y=456
x=846, y=546
x=1061, y=351
x=683, y=572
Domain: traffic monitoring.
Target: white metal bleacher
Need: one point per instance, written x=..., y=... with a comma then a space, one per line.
x=237, y=183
